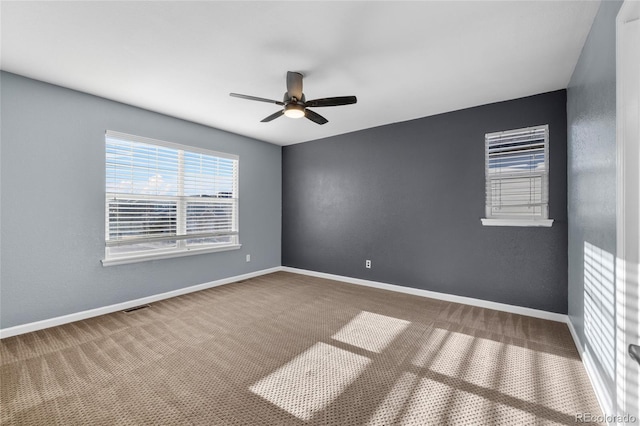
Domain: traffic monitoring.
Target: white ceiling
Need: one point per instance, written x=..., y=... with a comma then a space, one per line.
x=403, y=60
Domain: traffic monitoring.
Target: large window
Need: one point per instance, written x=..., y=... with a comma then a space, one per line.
x=165, y=200
x=517, y=177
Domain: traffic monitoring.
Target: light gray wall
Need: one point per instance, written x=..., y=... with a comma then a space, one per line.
x=591, y=168
x=53, y=183
x=409, y=196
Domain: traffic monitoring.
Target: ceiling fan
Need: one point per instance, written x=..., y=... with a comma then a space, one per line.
x=295, y=104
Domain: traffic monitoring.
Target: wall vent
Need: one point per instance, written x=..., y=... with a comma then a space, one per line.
x=135, y=308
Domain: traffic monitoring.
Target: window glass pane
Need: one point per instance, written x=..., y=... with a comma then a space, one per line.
x=136, y=168
x=130, y=218
x=209, y=216
x=516, y=162
x=206, y=175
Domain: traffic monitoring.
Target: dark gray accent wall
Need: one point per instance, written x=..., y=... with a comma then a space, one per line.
x=52, y=201
x=591, y=115
x=409, y=196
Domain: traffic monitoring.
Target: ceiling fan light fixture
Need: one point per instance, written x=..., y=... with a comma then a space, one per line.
x=294, y=111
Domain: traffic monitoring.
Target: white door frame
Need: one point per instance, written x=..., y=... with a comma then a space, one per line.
x=627, y=208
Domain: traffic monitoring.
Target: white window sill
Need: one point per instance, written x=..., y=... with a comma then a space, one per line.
x=155, y=256
x=517, y=222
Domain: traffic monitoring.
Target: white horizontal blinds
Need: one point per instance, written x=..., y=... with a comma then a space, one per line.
x=210, y=194
x=161, y=196
x=517, y=173
x=135, y=218
x=141, y=191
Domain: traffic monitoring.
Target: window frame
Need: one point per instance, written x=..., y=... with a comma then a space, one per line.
x=181, y=201
x=518, y=219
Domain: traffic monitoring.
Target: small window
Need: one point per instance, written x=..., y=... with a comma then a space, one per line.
x=167, y=200
x=517, y=177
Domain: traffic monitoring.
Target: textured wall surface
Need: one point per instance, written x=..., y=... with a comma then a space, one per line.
x=591, y=164
x=409, y=197
x=53, y=184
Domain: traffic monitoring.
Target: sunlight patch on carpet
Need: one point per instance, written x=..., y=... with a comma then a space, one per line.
x=312, y=380
x=370, y=331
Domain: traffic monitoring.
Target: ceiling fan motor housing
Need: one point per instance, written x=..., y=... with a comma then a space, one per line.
x=287, y=99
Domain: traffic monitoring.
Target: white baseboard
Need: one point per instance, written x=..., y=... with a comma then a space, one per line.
x=536, y=313
x=52, y=322
x=603, y=397
x=64, y=319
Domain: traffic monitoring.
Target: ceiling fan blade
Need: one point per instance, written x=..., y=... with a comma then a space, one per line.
x=272, y=116
x=337, y=101
x=315, y=117
x=294, y=85
x=255, y=98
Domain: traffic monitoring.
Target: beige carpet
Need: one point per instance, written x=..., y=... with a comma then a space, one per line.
x=289, y=349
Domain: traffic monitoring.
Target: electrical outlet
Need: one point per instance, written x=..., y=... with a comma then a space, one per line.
x=367, y=264
x=248, y=258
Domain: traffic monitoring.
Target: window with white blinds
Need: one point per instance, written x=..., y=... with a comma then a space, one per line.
x=164, y=198
x=517, y=174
